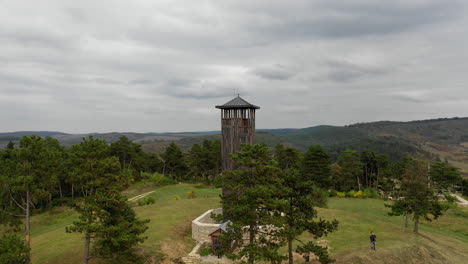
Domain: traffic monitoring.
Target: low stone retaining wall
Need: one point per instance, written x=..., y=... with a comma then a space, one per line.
x=203, y=225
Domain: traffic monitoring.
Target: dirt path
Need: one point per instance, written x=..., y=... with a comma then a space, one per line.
x=461, y=201
x=140, y=196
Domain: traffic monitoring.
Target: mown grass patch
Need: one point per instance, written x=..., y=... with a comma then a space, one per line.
x=169, y=228
x=358, y=217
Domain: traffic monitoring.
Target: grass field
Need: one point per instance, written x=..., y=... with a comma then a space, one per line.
x=169, y=229
x=442, y=241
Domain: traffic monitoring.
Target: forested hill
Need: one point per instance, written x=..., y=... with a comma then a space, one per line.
x=436, y=138
x=443, y=130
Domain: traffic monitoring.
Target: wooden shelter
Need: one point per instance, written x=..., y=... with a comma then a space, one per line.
x=215, y=237
x=237, y=127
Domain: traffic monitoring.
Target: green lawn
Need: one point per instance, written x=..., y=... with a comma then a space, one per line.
x=443, y=239
x=169, y=229
x=440, y=241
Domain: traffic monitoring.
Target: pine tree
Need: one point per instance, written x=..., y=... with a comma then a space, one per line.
x=444, y=176
x=26, y=180
x=297, y=202
x=416, y=197
x=316, y=166
x=351, y=168
x=109, y=224
x=253, y=188
x=287, y=157
x=174, y=162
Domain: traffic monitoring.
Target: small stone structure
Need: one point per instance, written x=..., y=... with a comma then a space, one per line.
x=203, y=225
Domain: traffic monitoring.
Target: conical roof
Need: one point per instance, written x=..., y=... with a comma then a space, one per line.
x=237, y=103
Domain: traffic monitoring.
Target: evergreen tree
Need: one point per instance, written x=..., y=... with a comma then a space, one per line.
x=464, y=187
x=110, y=227
x=369, y=162
x=197, y=161
x=204, y=160
x=174, y=162
x=298, y=200
x=253, y=189
x=130, y=154
x=10, y=145
x=444, y=176
x=351, y=168
x=287, y=157
x=315, y=166
x=338, y=182
x=25, y=181
x=109, y=224
x=416, y=197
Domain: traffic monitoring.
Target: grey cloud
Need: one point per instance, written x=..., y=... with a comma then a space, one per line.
x=343, y=71
x=275, y=72
x=141, y=81
x=199, y=89
x=337, y=19
x=103, y=80
x=69, y=66
x=409, y=98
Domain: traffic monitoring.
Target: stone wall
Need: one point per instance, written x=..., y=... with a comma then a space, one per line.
x=203, y=225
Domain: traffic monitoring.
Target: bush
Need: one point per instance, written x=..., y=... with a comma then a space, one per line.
x=360, y=194
x=146, y=201
x=371, y=193
x=157, y=179
x=332, y=193
x=177, y=197
x=191, y=195
x=340, y=194
x=205, y=252
x=450, y=198
x=351, y=194
x=13, y=250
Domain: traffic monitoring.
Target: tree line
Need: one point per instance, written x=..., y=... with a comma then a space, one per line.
x=355, y=170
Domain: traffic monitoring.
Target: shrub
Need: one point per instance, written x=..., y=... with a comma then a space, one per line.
x=450, y=198
x=13, y=250
x=177, y=197
x=146, y=201
x=205, y=252
x=360, y=194
x=371, y=193
x=332, y=193
x=157, y=179
x=191, y=195
x=351, y=193
x=340, y=194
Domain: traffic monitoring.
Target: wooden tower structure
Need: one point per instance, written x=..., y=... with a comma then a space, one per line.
x=237, y=127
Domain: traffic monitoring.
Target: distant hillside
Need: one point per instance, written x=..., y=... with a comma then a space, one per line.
x=70, y=139
x=445, y=139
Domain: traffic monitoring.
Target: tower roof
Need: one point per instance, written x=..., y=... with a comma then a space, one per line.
x=237, y=103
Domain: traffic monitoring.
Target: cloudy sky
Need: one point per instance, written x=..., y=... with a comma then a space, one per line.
x=147, y=65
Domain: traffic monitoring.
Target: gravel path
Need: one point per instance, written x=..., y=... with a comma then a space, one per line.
x=460, y=199
x=140, y=196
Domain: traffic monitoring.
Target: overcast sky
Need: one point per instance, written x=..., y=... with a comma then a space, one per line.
x=142, y=66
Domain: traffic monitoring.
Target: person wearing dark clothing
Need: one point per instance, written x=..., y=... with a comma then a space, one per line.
x=373, y=240
x=218, y=250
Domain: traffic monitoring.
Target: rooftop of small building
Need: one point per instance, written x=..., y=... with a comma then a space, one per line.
x=222, y=227
x=237, y=103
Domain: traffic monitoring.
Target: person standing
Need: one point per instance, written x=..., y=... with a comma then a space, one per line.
x=373, y=240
